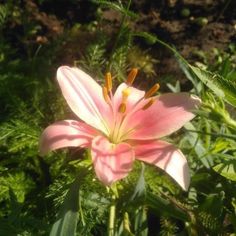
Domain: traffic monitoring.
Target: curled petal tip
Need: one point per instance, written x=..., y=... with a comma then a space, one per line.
x=167, y=157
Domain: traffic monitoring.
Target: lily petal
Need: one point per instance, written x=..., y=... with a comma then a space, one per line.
x=168, y=114
x=111, y=161
x=165, y=156
x=67, y=133
x=85, y=98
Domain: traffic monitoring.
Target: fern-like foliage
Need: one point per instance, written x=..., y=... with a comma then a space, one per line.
x=94, y=59
x=17, y=136
x=3, y=14
x=168, y=227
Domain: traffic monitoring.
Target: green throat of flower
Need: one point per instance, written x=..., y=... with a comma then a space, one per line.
x=117, y=134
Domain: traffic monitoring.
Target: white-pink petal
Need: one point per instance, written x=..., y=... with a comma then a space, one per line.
x=67, y=133
x=165, y=156
x=85, y=98
x=111, y=162
x=168, y=114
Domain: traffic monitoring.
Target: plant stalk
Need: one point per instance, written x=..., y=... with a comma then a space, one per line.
x=123, y=20
x=112, y=216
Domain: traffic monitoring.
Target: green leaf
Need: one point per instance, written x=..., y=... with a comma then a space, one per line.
x=67, y=220
x=222, y=87
x=227, y=169
x=150, y=38
x=213, y=204
x=6, y=228
x=197, y=144
x=140, y=221
x=164, y=207
x=183, y=65
x=140, y=186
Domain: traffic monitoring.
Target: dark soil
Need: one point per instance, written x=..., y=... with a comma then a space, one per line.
x=189, y=25
x=209, y=24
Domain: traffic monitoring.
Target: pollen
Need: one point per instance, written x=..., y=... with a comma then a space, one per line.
x=148, y=104
x=152, y=91
x=132, y=75
x=108, y=81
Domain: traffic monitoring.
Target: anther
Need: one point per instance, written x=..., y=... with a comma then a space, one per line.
x=152, y=91
x=122, y=108
x=108, y=80
x=132, y=75
x=105, y=94
x=148, y=104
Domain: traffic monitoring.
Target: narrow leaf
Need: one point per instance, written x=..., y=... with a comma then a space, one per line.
x=225, y=89
x=140, y=186
x=67, y=220
x=165, y=207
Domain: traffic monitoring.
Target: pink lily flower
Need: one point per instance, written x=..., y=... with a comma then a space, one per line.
x=121, y=127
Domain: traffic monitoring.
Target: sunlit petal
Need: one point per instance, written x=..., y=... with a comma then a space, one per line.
x=168, y=114
x=67, y=133
x=111, y=161
x=165, y=156
x=85, y=98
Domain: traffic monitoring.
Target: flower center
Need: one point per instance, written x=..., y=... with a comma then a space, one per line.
x=116, y=134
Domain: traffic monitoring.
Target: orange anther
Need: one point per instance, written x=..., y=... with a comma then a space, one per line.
x=152, y=91
x=148, y=104
x=108, y=81
x=132, y=75
x=122, y=108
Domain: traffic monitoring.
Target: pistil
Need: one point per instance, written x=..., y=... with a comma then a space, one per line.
x=116, y=135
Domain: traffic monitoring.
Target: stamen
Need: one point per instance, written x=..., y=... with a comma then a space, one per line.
x=122, y=108
x=131, y=77
x=152, y=91
x=105, y=94
x=108, y=80
x=148, y=104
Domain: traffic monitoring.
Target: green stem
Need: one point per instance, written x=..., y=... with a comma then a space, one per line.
x=172, y=50
x=112, y=216
x=118, y=36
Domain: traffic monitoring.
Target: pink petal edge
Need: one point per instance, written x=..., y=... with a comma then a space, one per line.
x=168, y=114
x=66, y=133
x=84, y=96
x=111, y=162
x=165, y=156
